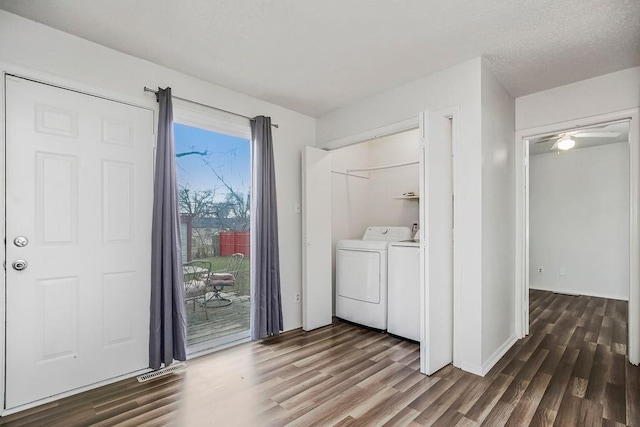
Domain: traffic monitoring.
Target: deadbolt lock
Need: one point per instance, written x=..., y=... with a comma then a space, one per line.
x=19, y=264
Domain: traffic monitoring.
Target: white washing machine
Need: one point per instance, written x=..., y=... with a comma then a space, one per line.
x=361, y=276
x=403, y=314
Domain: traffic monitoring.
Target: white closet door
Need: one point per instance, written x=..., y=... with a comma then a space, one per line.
x=436, y=238
x=316, y=235
x=79, y=190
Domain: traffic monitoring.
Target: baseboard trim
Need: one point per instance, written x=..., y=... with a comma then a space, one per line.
x=490, y=363
x=472, y=369
x=497, y=355
x=572, y=292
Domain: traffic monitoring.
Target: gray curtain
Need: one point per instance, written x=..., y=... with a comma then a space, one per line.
x=167, y=340
x=266, y=310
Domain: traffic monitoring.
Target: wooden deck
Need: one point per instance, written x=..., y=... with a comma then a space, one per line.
x=222, y=321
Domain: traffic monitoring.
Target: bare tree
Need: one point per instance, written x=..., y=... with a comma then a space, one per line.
x=239, y=204
x=201, y=204
x=197, y=203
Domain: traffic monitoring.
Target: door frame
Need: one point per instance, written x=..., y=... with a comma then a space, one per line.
x=140, y=101
x=451, y=114
x=522, y=219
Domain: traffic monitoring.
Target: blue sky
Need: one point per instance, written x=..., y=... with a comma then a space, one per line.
x=229, y=155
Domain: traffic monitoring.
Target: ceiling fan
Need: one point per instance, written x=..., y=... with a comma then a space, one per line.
x=567, y=140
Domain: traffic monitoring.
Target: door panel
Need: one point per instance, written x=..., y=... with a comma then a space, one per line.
x=56, y=204
x=316, y=245
x=79, y=188
x=436, y=238
x=59, y=308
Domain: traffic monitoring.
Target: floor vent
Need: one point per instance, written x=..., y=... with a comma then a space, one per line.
x=162, y=372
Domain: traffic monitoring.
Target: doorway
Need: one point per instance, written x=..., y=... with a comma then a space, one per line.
x=579, y=211
x=597, y=218
x=214, y=171
x=437, y=134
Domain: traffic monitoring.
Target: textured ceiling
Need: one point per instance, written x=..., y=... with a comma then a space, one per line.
x=315, y=56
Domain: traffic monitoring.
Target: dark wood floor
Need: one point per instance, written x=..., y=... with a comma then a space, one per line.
x=571, y=370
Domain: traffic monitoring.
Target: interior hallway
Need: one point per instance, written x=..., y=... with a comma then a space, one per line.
x=571, y=370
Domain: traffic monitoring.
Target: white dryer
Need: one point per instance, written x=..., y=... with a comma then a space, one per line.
x=361, y=276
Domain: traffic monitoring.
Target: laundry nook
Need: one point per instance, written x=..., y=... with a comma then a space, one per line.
x=374, y=216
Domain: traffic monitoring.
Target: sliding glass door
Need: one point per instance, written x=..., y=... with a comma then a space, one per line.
x=214, y=181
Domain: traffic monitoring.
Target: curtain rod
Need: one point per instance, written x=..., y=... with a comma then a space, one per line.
x=146, y=89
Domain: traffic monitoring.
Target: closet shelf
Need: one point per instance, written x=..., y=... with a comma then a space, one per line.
x=377, y=168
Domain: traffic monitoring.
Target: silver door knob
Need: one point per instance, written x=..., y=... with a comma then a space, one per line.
x=21, y=241
x=19, y=264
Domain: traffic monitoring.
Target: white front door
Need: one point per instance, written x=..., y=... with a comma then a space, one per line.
x=79, y=191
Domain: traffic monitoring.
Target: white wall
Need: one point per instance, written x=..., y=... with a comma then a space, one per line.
x=498, y=219
x=454, y=88
x=37, y=48
x=349, y=195
x=386, y=184
x=579, y=221
x=599, y=95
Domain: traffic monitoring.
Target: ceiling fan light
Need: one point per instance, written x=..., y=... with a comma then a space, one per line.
x=566, y=143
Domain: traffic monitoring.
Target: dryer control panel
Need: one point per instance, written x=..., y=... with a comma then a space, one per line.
x=387, y=234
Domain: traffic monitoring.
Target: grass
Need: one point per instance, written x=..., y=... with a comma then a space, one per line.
x=242, y=286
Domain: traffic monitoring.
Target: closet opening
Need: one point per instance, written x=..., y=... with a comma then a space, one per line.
x=376, y=251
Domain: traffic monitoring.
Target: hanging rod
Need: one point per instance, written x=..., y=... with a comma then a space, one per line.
x=398, y=165
x=146, y=89
x=350, y=174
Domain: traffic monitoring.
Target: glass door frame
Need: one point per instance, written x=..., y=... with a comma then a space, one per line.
x=198, y=116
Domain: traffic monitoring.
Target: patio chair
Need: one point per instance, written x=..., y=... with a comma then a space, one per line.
x=224, y=278
x=196, y=277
